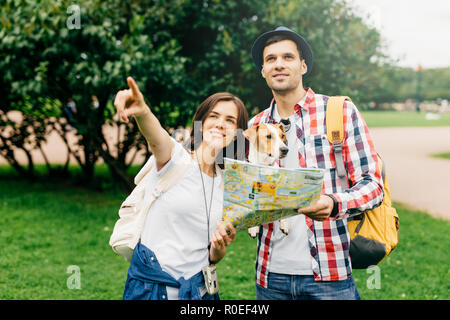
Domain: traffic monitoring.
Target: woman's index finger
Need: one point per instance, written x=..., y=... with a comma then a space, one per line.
x=133, y=86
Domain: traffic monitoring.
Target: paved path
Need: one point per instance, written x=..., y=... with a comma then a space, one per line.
x=416, y=179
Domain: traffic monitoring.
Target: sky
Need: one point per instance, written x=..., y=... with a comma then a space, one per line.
x=416, y=32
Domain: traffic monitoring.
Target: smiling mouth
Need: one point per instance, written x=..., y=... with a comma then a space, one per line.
x=280, y=75
x=217, y=134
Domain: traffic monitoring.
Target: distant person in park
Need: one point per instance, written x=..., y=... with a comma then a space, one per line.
x=183, y=230
x=69, y=111
x=312, y=261
x=95, y=102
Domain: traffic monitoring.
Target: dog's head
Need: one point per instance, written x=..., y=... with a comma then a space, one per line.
x=267, y=143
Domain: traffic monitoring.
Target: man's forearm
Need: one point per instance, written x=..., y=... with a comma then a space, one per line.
x=365, y=195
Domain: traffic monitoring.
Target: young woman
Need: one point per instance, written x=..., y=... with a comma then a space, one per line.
x=183, y=231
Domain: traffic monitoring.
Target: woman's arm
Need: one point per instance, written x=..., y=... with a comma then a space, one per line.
x=131, y=102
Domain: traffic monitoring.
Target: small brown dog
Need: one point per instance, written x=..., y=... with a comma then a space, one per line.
x=267, y=143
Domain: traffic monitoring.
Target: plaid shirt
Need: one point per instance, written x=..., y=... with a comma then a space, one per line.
x=329, y=240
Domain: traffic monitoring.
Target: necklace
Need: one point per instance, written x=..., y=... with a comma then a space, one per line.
x=208, y=212
x=209, y=272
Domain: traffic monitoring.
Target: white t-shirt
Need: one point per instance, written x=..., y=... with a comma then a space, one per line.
x=291, y=253
x=176, y=224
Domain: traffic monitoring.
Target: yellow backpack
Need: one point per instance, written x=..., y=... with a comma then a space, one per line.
x=373, y=233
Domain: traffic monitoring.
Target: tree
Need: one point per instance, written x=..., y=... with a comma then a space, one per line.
x=348, y=54
x=57, y=63
x=178, y=51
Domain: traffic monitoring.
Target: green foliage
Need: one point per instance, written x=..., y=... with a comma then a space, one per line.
x=45, y=60
x=396, y=84
x=346, y=51
x=181, y=51
x=435, y=84
x=178, y=51
x=443, y=155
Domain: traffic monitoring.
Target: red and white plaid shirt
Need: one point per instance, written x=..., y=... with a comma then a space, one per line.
x=329, y=240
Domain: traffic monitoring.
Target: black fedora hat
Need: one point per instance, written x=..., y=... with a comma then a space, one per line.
x=258, y=47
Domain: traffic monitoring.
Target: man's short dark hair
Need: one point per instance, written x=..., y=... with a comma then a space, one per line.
x=281, y=37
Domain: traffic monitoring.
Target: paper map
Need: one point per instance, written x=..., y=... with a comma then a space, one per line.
x=255, y=194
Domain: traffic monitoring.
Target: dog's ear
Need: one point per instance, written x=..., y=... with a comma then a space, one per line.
x=280, y=126
x=251, y=133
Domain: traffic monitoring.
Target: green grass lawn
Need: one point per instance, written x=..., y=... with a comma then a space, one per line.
x=47, y=227
x=402, y=119
x=419, y=268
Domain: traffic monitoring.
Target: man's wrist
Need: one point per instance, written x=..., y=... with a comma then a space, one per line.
x=335, y=210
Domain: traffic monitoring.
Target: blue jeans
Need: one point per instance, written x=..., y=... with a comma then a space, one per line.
x=298, y=287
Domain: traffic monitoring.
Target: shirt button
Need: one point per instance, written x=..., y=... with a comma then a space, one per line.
x=152, y=258
x=163, y=296
x=313, y=251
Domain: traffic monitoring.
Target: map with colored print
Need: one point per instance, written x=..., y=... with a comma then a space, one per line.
x=255, y=194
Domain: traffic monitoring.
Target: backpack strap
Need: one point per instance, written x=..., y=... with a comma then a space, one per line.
x=148, y=166
x=171, y=176
x=335, y=133
x=144, y=170
x=383, y=168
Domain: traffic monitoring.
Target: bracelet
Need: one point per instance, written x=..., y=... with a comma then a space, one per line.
x=335, y=210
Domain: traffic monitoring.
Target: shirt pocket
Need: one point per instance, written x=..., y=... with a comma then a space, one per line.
x=320, y=152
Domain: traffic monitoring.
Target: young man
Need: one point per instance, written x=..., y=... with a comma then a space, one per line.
x=312, y=261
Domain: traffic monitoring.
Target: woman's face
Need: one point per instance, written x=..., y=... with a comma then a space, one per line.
x=220, y=126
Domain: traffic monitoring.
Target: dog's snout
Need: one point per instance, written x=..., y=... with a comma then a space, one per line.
x=284, y=151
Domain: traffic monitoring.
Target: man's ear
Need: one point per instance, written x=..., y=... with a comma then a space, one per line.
x=304, y=67
x=250, y=134
x=262, y=72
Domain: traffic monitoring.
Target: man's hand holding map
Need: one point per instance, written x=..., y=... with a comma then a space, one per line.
x=256, y=194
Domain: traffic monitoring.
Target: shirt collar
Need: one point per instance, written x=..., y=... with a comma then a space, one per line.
x=304, y=104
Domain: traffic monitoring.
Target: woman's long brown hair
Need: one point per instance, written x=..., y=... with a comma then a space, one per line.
x=203, y=112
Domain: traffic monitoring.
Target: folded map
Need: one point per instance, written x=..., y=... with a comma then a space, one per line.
x=255, y=194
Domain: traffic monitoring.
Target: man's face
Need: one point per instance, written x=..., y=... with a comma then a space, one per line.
x=282, y=67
